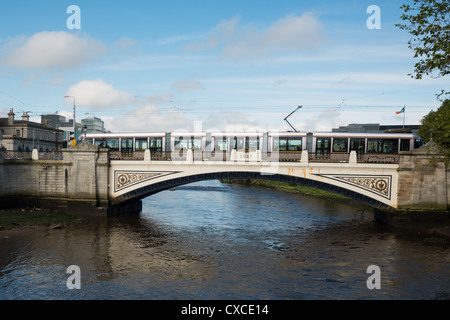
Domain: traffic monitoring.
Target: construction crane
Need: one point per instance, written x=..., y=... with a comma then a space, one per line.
x=285, y=119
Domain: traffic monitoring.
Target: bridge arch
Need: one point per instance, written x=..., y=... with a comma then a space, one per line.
x=148, y=190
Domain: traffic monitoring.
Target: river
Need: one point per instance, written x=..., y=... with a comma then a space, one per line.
x=218, y=241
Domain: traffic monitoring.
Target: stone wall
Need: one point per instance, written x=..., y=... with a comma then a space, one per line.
x=80, y=179
x=423, y=180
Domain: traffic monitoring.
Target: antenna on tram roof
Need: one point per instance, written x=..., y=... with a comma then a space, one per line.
x=290, y=114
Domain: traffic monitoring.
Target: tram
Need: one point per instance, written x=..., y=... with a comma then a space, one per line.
x=319, y=143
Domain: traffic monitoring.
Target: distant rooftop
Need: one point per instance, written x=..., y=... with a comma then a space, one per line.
x=374, y=128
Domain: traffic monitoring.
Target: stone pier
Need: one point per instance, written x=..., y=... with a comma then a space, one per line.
x=423, y=189
x=79, y=182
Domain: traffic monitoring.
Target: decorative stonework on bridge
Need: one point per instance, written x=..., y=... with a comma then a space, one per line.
x=379, y=185
x=87, y=175
x=373, y=183
x=128, y=179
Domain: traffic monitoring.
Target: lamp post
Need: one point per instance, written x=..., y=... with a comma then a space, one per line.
x=74, y=122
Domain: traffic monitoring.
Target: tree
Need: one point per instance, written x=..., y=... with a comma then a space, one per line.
x=436, y=125
x=429, y=25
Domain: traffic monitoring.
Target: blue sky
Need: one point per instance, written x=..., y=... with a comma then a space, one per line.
x=229, y=65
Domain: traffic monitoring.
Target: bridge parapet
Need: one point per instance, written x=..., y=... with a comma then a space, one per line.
x=374, y=182
x=255, y=156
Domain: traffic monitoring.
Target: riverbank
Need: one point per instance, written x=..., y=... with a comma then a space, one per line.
x=283, y=186
x=33, y=219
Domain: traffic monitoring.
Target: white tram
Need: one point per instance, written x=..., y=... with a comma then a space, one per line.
x=322, y=143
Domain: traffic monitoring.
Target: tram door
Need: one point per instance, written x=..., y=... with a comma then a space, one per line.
x=127, y=145
x=323, y=146
x=358, y=145
x=240, y=144
x=246, y=144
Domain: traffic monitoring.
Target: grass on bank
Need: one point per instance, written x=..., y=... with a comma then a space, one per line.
x=15, y=219
x=283, y=186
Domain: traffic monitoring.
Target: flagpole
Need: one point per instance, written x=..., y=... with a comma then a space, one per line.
x=404, y=115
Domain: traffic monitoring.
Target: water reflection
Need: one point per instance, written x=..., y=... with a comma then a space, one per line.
x=216, y=241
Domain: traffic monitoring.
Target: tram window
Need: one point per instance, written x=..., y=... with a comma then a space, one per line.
x=340, y=144
x=294, y=144
x=357, y=144
x=112, y=144
x=252, y=144
x=239, y=143
x=141, y=144
x=372, y=145
x=280, y=144
x=190, y=143
x=181, y=144
x=196, y=143
x=418, y=143
x=404, y=144
x=323, y=145
x=155, y=144
x=382, y=145
x=127, y=144
x=100, y=143
x=220, y=144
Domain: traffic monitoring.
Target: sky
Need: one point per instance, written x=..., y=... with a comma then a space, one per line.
x=161, y=66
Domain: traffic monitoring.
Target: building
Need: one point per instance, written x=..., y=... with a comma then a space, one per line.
x=376, y=128
x=93, y=125
x=24, y=135
x=60, y=122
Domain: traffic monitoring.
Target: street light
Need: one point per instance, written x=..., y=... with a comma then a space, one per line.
x=74, y=125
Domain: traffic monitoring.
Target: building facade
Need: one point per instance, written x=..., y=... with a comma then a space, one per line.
x=376, y=128
x=60, y=122
x=93, y=125
x=24, y=135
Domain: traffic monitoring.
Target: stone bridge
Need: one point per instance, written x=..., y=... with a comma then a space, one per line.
x=87, y=175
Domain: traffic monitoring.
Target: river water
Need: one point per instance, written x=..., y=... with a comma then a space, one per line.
x=218, y=241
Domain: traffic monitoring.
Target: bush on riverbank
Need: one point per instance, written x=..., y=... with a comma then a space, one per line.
x=293, y=188
x=15, y=219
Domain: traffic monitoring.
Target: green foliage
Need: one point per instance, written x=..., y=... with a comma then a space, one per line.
x=428, y=21
x=436, y=124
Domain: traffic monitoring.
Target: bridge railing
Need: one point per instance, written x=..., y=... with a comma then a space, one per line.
x=16, y=155
x=51, y=155
x=382, y=158
x=30, y=155
x=198, y=155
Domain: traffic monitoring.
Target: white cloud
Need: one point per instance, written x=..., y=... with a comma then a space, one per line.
x=98, y=94
x=150, y=119
x=51, y=49
x=291, y=33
